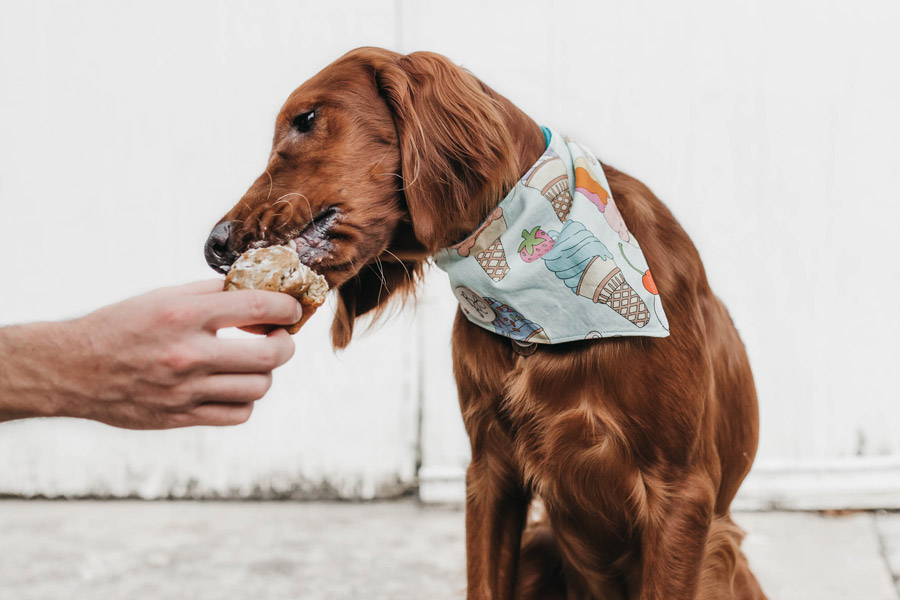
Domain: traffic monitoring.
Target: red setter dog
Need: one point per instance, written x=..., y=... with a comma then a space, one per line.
x=382, y=159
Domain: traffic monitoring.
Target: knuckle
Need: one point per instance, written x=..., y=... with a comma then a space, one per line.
x=180, y=360
x=257, y=307
x=268, y=357
x=180, y=399
x=178, y=419
x=176, y=315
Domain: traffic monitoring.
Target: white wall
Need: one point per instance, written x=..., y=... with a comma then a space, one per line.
x=126, y=131
x=769, y=128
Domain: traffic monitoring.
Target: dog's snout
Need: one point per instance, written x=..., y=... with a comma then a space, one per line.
x=218, y=251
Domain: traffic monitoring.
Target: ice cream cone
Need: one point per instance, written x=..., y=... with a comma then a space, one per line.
x=486, y=247
x=594, y=277
x=575, y=249
x=587, y=184
x=511, y=323
x=493, y=261
x=552, y=179
x=587, y=268
x=538, y=337
x=615, y=292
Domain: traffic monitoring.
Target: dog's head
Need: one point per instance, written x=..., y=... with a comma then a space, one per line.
x=377, y=162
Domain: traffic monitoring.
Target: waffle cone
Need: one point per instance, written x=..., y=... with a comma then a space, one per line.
x=621, y=297
x=493, y=260
x=552, y=179
x=562, y=204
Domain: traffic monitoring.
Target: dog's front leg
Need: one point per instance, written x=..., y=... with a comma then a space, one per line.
x=496, y=508
x=496, y=498
x=673, y=545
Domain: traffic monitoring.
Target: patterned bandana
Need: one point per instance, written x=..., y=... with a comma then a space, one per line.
x=555, y=262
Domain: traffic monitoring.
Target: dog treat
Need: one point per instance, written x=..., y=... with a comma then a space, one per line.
x=278, y=269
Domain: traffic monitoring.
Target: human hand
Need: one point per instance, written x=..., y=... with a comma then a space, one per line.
x=154, y=361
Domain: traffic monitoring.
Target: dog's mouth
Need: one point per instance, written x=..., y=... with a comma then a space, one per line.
x=311, y=243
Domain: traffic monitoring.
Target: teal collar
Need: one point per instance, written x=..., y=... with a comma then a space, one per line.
x=547, y=135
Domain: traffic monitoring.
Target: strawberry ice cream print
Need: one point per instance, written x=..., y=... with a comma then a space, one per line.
x=593, y=190
x=510, y=323
x=614, y=218
x=587, y=184
x=587, y=268
x=551, y=177
x=486, y=247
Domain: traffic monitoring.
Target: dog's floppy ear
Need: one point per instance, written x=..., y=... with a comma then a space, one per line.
x=457, y=161
x=455, y=144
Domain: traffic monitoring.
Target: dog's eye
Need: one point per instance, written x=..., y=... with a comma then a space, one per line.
x=304, y=121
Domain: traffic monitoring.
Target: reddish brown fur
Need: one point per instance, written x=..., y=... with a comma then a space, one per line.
x=636, y=463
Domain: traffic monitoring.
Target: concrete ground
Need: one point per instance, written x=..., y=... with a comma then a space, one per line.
x=278, y=551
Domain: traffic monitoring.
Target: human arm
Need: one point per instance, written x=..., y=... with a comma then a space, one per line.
x=148, y=362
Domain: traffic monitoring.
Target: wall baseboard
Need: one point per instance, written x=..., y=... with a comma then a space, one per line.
x=864, y=483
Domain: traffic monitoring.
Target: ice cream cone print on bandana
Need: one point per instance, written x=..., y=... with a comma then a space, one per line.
x=551, y=177
x=510, y=323
x=486, y=247
x=587, y=184
x=587, y=268
x=554, y=261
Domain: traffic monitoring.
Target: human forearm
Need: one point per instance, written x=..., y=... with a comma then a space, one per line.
x=31, y=377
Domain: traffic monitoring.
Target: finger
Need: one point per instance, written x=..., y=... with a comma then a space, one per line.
x=259, y=355
x=217, y=414
x=206, y=286
x=229, y=388
x=248, y=307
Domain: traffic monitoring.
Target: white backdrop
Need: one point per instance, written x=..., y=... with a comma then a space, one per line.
x=770, y=129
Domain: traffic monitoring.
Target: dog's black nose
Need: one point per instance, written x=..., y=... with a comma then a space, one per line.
x=219, y=254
